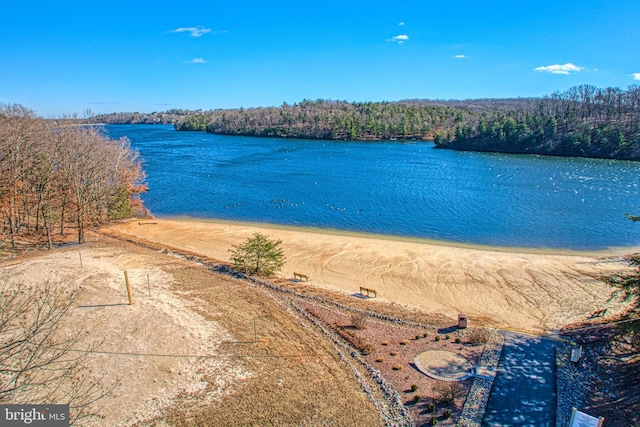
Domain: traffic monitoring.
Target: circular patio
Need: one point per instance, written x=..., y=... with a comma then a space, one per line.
x=444, y=365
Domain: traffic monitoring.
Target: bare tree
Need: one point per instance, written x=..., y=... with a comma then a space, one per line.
x=39, y=362
x=20, y=133
x=98, y=171
x=70, y=175
x=83, y=165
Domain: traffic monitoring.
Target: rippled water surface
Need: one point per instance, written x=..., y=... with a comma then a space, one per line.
x=408, y=189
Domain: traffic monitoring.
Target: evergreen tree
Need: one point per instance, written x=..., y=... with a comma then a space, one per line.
x=258, y=255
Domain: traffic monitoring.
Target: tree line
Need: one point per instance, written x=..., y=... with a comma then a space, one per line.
x=583, y=121
x=154, y=118
x=56, y=177
x=338, y=120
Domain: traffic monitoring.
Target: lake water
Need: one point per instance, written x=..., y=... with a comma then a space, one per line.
x=406, y=189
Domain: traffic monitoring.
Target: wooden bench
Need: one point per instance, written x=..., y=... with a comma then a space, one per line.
x=576, y=354
x=599, y=313
x=369, y=291
x=300, y=276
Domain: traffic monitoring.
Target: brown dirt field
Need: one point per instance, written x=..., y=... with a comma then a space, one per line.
x=185, y=355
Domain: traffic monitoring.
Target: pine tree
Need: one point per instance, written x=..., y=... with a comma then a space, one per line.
x=258, y=255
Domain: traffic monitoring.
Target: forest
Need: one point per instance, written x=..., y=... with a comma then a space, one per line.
x=56, y=178
x=322, y=119
x=584, y=121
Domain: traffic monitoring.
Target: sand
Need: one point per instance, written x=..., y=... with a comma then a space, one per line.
x=125, y=334
x=520, y=289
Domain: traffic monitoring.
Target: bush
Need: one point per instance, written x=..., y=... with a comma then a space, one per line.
x=418, y=337
x=479, y=336
x=446, y=337
x=385, y=343
x=446, y=414
x=393, y=353
x=417, y=398
x=434, y=421
x=358, y=342
x=425, y=335
x=458, y=340
x=414, y=387
x=397, y=367
x=359, y=320
x=447, y=391
x=379, y=360
x=437, y=337
x=431, y=407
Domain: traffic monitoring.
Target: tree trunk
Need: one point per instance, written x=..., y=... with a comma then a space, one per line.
x=80, y=223
x=80, y=232
x=62, y=212
x=47, y=227
x=11, y=230
x=38, y=208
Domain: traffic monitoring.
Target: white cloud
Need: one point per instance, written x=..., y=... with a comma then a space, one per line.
x=559, y=69
x=460, y=56
x=196, y=61
x=636, y=76
x=195, y=31
x=401, y=23
x=400, y=38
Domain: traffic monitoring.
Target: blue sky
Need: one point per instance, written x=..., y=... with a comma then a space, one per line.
x=66, y=57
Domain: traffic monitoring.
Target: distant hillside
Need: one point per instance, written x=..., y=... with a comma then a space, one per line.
x=584, y=121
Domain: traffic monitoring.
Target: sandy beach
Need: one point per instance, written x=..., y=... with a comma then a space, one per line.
x=521, y=289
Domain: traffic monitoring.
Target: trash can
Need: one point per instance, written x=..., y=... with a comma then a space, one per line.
x=462, y=320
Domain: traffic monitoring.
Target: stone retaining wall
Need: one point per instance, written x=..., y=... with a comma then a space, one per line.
x=474, y=406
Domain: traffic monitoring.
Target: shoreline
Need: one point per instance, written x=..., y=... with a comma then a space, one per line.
x=536, y=291
x=609, y=251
